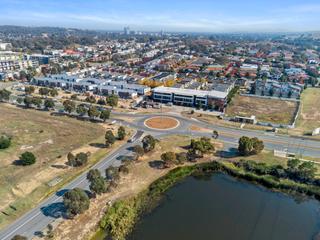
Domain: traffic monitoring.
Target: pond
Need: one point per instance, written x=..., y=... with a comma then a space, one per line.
x=221, y=207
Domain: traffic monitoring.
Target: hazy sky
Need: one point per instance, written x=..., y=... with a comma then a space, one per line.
x=168, y=15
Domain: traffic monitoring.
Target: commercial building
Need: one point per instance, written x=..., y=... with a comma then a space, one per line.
x=97, y=86
x=190, y=98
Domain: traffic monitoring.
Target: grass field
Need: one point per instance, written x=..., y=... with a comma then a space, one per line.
x=309, y=117
x=50, y=139
x=265, y=110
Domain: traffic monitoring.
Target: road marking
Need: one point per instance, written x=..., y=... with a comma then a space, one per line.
x=55, y=200
x=17, y=228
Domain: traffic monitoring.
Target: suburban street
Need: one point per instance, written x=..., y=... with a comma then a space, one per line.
x=33, y=222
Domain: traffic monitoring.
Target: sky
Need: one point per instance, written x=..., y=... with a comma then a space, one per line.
x=166, y=15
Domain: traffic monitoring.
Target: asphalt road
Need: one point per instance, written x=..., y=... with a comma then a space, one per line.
x=51, y=209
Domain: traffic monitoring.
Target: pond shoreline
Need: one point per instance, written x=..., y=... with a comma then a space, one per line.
x=121, y=218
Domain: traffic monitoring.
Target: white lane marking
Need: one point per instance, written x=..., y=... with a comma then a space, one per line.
x=55, y=200
x=17, y=228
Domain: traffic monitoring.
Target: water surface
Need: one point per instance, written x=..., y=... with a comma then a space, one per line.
x=225, y=208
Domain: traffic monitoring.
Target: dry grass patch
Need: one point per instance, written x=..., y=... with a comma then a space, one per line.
x=266, y=110
x=309, y=117
x=49, y=138
x=140, y=176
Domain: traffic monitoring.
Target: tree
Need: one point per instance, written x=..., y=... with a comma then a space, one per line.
x=93, y=112
x=258, y=145
x=81, y=110
x=36, y=101
x=124, y=169
x=293, y=163
x=53, y=92
x=148, y=143
x=112, y=100
x=29, y=90
x=44, y=91
x=250, y=146
x=110, y=138
x=169, y=159
x=19, y=237
x=93, y=173
x=5, y=142
x=77, y=161
x=112, y=173
x=101, y=101
x=307, y=170
x=91, y=99
x=27, y=158
x=181, y=157
x=71, y=158
x=49, y=104
x=20, y=100
x=105, y=114
x=27, y=101
x=4, y=95
x=121, y=133
x=200, y=147
x=97, y=183
x=138, y=150
x=69, y=106
x=76, y=201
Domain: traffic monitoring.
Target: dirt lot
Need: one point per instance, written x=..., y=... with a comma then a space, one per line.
x=162, y=123
x=266, y=110
x=138, y=179
x=50, y=139
x=309, y=117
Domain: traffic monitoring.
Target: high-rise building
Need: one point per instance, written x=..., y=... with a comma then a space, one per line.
x=126, y=30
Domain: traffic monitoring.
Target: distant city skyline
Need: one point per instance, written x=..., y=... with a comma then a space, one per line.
x=170, y=16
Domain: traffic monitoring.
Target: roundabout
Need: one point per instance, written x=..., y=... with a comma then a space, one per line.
x=162, y=123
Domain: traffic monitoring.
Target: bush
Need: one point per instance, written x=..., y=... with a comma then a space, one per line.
x=77, y=161
x=124, y=169
x=19, y=237
x=5, y=142
x=181, y=157
x=76, y=201
x=27, y=158
x=250, y=146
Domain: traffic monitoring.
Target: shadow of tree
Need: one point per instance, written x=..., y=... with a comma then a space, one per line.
x=157, y=164
x=54, y=210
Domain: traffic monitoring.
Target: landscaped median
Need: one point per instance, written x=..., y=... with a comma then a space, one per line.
x=120, y=219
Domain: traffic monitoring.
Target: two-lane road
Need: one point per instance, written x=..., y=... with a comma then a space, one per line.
x=50, y=209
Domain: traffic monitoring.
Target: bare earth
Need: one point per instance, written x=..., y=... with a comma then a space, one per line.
x=162, y=123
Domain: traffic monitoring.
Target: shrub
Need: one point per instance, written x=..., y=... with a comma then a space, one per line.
x=27, y=158
x=5, y=142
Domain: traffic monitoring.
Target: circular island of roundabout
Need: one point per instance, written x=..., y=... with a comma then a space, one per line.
x=161, y=123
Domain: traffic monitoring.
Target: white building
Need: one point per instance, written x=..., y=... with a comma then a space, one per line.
x=190, y=97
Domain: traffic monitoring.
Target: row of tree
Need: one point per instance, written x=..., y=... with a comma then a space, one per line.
x=77, y=200
x=197, y=149
x=111, y=100
x=82, y=110
x=304, y=172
